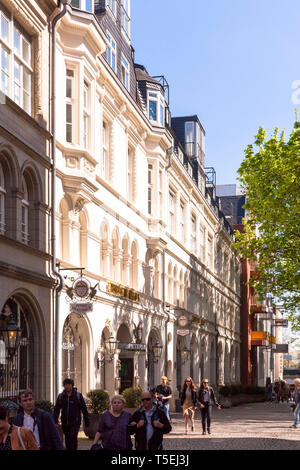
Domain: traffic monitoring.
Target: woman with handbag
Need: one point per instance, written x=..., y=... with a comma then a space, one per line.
x=188, y=402
x=13, y=437
x=113, y=427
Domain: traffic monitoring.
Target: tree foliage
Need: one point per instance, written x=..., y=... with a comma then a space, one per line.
x=270, y=178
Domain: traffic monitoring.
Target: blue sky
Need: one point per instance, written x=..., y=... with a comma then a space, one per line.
x=232, y=62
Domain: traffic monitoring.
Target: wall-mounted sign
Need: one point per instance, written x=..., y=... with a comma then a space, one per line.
x=132, y=347
x=81, y=307
x=183, y=332
x=81, y=288
x=282, y=323
x=122, y=291
x=282, y=348
x=182, y=321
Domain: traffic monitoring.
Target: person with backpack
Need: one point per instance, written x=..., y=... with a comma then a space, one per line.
x=38, y=421
x=164, y=393
x=149, y=424
x=71, y=404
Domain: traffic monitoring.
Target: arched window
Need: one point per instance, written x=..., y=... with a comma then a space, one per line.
x=25, y=213
x=2, y=201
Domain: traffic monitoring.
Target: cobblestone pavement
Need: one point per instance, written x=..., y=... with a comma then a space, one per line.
x=257, y=426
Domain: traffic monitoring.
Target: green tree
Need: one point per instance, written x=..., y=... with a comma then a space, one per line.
x=270, y=178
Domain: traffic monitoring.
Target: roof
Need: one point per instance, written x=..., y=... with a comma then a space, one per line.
x=143, y=76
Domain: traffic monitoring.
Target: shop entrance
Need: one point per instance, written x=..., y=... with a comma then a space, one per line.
x=126, y=373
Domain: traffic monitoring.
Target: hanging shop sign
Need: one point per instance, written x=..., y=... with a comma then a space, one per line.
x=122, y=291
x=182, y=321
x=132, y=347
x=183, y=332
x=81, y=307
x=196, y=320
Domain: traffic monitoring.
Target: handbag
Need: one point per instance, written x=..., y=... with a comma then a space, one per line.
x=97, y=446
x=20, y=439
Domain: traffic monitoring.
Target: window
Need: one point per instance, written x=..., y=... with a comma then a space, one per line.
x=160, y=190
x=105, y=157
x=112, y=4
x=189, y=138
x=69, y=105
x=24, y=215
x=86, y=114
x=181, y=221
x=156, y=108
x=172, y=225
x=15, y=60
x=130, y=165
x=150, y=170
x=111, y=52
x=201, y=235
x=2, y=201
x=193, y=234
x=209, y=251
x=125, y=17
x=83, y=4
x=125, y=72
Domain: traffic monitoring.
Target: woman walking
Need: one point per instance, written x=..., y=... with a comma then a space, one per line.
x=189, y=402
x=113, y=427
x=206, y=399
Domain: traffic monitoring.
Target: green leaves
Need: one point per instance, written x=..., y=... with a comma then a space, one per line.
x=270, y=178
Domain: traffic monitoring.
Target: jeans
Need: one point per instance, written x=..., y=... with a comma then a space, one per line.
x=167, y=410
x=296, y=413
x=71, y=433
x=206, y=416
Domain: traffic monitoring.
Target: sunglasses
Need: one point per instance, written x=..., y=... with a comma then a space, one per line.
x=146, y=399
x=205, y=382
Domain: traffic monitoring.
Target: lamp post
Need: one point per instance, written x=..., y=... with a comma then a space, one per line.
x=111, y=345
x=11, y=335
x=157, y=350
x=185, y=354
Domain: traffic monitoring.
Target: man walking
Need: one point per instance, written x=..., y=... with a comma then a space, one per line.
x=39, y=422
x=149, y=424
x=71, y=404
x=297, y=403
x=165, y=392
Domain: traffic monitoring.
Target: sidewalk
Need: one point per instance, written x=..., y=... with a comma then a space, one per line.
x=257, y=426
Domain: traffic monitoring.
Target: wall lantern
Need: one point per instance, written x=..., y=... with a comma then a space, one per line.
x=185, y=352
x=11, y=335
x=157, y=350
x=111, y=346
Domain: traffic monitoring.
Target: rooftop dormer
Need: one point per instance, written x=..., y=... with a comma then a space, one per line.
x=191, y=134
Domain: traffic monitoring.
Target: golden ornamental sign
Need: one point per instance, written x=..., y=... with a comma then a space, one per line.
x=122, y=291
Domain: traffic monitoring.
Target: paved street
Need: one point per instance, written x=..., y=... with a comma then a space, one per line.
x=258, y=426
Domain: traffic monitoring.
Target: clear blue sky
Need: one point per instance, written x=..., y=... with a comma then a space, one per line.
x=232, y=62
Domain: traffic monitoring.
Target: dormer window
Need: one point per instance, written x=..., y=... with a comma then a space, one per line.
x=156, y=108
x=125, y=72
x=112, y=5
x=87, y=5
x=111, y=52
x=125, y=17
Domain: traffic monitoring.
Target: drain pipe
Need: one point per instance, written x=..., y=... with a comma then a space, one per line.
x=59, y=286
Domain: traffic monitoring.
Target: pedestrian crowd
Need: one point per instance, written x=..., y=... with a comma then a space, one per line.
x=36, y=429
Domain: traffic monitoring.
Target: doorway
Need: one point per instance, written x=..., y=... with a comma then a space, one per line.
x=126, y=373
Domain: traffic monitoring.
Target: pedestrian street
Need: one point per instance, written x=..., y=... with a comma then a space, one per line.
x=254, y=426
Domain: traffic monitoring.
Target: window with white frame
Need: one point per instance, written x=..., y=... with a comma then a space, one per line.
x=130, y=168
x=105, y=155
x=125, y=72
x=150, y=176
x=181, y=221
x=2, y=201
x=193, y=234
x=202, y=246
x=86, y=114
x=172, y=212
x=156, y=108
x=15, y=53
x=209, y=251
x=24, y=214
x=125, y=17
x=87, y=5
x=69, y=105
x=161, y=194
x=111, y=52
x=112, y=5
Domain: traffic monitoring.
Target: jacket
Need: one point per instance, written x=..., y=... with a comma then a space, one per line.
x=71, y=408
x=27, y=437
x=48, y=433
x=155, y=443
x=212, y=397
x=183, y=396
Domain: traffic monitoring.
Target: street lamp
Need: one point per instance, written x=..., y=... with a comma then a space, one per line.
x=11, y=335
x=111, y=345
x=157, y=350
x=185, y=354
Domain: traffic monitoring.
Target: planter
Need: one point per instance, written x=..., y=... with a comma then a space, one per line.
x=235, y=400
x=91, y=430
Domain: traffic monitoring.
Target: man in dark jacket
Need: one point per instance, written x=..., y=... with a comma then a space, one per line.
x=71, y=404
x=149, y=424
x=39, y=422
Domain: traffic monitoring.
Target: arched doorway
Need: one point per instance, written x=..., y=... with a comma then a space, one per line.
x=75, y=352
x=126, y=357
x=20, y=371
